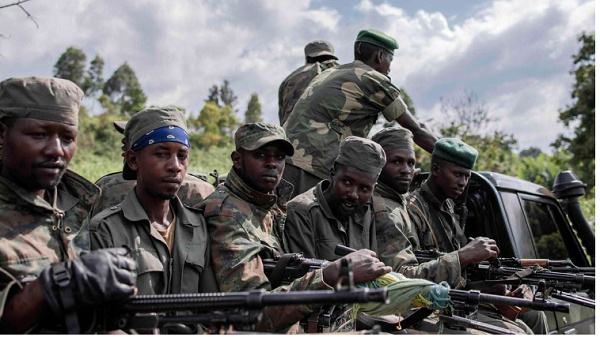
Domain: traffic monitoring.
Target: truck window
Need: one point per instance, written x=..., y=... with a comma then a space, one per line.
x=547, y=239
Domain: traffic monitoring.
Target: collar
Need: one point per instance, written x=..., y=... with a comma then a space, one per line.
x=389, y=193
x=263, y=200
x=133, y=210
x=432, y=199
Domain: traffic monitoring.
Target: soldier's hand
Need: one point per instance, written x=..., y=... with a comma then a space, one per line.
x=479, y=249
x=93, y=279
x=365, y=267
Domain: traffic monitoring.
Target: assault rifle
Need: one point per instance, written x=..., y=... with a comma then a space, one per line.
x=240, y=309
x=560, y=266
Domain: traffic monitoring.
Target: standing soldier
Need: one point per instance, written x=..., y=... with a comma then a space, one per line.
x=46, y=283
x=346, y=101
x=320, y=56
x=114, y=187
x=245, y=216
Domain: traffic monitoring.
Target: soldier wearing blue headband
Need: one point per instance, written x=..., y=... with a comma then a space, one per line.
x=152, y=220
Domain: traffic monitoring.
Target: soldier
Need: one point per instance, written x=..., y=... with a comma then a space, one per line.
x=346, y=101
x=169, y=240
x=114, y=188
x=46, y=283
x=320, y=56
x=431, y=212
x=245, y=216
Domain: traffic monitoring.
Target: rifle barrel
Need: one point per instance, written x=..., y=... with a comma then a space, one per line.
x=474, y=296
x=467, y=323
x=252, y=299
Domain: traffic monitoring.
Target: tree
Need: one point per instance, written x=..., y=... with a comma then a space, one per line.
x=19, y=4
x=254, y=111
x=123, y=92
x=213, y=95
x=581, y=112
x=228, y=98
x=93, y=81
x=71, y=66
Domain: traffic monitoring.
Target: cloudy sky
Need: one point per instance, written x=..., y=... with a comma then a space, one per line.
x=514, y=55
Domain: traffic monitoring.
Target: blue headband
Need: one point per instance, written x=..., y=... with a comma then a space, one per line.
x=161, y=135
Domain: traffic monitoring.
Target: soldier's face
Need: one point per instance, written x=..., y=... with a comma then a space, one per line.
x=450, y=178
x=262, y=168
x=351, y=189
x=399, y=169
x=36, y=153
x=160, y=169
x=386, y=62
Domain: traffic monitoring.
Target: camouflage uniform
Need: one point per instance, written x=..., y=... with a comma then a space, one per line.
x=36, y=234
x=392, y=224
x=115, y=188
x=312, y=229
x=294, y=85
x=244, y=224
x=338, y=103
x=186, y=270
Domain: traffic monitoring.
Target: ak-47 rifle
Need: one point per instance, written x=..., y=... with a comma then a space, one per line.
x=241, y=309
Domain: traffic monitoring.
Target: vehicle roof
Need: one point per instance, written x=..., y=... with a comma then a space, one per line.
x=504, y=182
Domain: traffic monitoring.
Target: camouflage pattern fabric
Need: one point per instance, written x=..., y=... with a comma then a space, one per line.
x=437, y=226
x=186, y=270
x=294, y=85
x=115, y=188
x=396, y=250
x=313, y=230
x=35, y=234
x=244, y=225
x=338, y=103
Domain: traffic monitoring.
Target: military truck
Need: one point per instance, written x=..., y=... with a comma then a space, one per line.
x=530, y=222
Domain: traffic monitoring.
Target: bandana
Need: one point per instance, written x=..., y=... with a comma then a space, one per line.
x=161, y=135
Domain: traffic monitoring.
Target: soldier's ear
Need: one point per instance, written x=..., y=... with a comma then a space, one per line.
x=132, y=159
x=435, y=169
x=236, y=158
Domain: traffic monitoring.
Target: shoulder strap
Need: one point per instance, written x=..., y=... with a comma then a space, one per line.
x=437, y=246
x=277, y=273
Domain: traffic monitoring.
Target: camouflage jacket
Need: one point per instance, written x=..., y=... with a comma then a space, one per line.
x=294, y=85
x=312, y=229
x=339, y=102
x=186, y=270
x=436, y=223
x=396, y=248
x=115, y=188
x=244, y=225
x=36, y=234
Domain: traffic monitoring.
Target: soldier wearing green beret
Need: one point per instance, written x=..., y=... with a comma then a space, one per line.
x=114, y=187
x=346, y=101
x=246, y=215
x=169, y=240
x=46, y=284
x=319, y=56
x=432, y=214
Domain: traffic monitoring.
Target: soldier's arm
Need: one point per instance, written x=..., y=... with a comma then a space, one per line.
x=21, y=308
x=423, y=135
x=238, y=267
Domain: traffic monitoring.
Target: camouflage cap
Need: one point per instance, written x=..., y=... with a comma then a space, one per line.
x=455, y=151
x=319, y=48
x=145, y=121
x=120, y=126
x=361, y=153
x=47, y=98
x=394, y=138
x=377, y=38
x=252, y=136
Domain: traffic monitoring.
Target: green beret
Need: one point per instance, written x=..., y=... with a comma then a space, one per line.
x=361, y=153
x=47, y=98
x=394, y=138
x=377, y=38
x=252, y=136
x=455, y=151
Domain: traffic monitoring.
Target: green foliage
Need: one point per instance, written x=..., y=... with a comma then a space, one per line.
x=124, y=95
x=254, y=110
x=93, y=81
x=214, y=126
x=581, y=112
x=71, y=66
x=588, y=206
